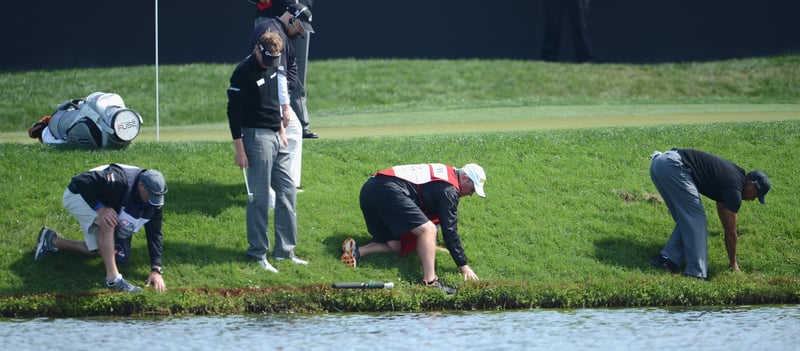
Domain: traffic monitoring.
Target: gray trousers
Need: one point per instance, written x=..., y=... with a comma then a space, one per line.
x=689, y=238
x=269, y=167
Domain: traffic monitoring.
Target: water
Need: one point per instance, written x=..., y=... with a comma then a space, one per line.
x=772, y=328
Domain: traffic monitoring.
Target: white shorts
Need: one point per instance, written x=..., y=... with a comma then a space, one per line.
x=86, y=216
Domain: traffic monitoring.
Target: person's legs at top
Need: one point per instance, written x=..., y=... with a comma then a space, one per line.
x=294, y=135
x=299, y=94
x=551, y=44
x=579, y=27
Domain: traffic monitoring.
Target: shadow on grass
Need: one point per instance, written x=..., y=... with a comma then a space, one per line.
x=407, y=266
x=208, y=198
x=626, y=252
x=629, y=253
x=68, y=272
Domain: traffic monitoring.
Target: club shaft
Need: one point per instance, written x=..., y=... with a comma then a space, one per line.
x=246, y=183
x=360, y=285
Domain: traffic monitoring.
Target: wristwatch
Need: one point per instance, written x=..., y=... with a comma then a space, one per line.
x=157, y=269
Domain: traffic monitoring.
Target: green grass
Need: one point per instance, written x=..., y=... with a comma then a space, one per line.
x=569, y=221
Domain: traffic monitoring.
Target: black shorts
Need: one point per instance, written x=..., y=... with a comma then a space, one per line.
x=389, y=208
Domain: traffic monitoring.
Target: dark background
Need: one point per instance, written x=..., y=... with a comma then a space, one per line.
x=94, y=33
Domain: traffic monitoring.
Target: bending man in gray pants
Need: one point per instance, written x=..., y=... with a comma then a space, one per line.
x=681, y=175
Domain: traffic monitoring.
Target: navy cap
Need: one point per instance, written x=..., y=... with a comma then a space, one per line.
x=156, y=186
x=762, y=183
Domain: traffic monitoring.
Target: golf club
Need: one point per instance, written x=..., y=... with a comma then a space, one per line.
x=369, y=285
x=247, y=184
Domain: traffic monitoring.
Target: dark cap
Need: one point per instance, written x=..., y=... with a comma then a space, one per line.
x=762, y=183
x=270, y=59
x=156, y=186
x=270, y=45
x=303, y=13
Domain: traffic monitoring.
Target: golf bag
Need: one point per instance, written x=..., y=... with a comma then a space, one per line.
x=101, y=120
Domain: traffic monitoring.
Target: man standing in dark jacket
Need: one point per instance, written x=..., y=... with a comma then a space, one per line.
x=404, y=199
x=681, y=175
x=258, y=111
x=111, y=203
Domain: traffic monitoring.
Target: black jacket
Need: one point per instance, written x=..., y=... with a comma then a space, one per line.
x=115, y=186
x=253, y=100
x=715, y=177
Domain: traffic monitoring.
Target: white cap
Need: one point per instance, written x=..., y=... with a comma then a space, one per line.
x=477, y=176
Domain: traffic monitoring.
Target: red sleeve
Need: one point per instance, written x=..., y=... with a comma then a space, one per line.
x=264, y=5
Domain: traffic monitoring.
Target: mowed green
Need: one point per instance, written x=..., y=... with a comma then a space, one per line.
x=570, y=217
x=488, y=119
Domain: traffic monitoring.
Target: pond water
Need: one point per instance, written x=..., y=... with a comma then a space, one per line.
x=772, y=328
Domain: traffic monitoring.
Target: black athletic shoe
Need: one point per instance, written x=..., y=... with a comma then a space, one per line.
x=693, y=276
x=662, y=262
x=435, y=283
x=44, y=246
x=308, y=134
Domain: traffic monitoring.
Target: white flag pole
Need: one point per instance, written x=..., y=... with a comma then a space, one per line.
x=157, y=116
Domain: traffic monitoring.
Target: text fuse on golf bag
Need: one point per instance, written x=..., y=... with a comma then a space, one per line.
x=101, y=120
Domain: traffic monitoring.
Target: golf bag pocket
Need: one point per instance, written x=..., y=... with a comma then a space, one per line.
x=84, y=132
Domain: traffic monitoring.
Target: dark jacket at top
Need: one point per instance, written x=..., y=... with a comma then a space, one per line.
x=253, y=100
x=288, y=58
x=110, y=187
x=276, y=7
x=719, y=179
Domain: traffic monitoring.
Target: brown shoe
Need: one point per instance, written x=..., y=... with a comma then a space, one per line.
x=349, y=252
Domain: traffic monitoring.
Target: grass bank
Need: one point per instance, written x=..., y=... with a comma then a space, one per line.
x=569, y=220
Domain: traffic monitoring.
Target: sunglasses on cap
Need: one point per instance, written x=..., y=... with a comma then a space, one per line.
x=266, y=52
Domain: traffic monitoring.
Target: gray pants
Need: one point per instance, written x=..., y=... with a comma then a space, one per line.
x=269, y=167
x=689, y=238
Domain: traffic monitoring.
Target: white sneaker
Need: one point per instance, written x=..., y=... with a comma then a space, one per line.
x=265, y=264
x=293, y=259
x=123, y=285
x=655, y=154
